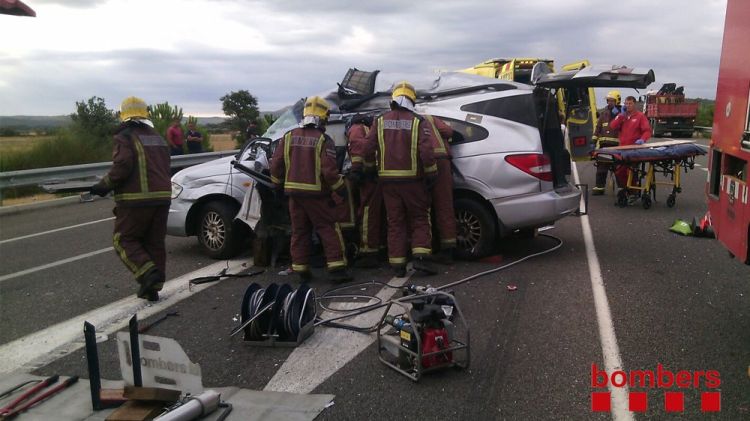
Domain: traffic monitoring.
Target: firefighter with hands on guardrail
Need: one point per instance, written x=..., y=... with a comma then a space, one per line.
x=140, y=178
x=407, y=172
x=634, y=130
x=605, y=137
x=371, y=210
x=304, y=164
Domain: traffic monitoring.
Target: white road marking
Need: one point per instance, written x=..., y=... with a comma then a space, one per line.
x=45, y=346
x=53, y=264
x=610, y=350
x=698, y=165
x=705, y=169
x=55, y=230
x=329, y=349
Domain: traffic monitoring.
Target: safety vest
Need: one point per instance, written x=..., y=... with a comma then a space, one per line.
x=302, y=163
x=397, y=157
x=141, y=168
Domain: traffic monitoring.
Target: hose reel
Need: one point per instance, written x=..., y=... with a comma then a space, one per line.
x=277, y=314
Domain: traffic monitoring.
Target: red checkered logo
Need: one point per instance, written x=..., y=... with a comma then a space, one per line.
x=640, y=381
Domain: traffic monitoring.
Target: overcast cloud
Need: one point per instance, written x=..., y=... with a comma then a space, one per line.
x=191, y=53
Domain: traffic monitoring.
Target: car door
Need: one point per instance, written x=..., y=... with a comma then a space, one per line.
x=574, y=85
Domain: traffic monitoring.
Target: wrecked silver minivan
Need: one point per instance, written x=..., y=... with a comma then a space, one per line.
x=510, y=163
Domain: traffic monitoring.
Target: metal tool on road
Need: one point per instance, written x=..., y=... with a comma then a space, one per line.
x=146, y=327
x=222, y=274
x=28, y=398
x=426, y=338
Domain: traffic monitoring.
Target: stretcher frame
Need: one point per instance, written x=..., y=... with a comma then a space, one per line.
x=642, y=172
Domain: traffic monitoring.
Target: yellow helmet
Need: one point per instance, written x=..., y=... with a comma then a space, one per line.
x=614, y=95
x=317, y=107
x=133, y=107
x=404, y=88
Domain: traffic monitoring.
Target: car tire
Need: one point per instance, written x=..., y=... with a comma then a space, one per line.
x=475, y=229
x=218, y=233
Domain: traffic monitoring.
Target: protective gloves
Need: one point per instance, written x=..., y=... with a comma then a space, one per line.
x=430, y=181
x=640, y=142
x=99, y=190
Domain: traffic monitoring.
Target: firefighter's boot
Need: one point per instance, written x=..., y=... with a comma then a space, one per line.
x=445, y=256
x=399, y=271
x=421, y=263
x=150, y=284
x=597, y=191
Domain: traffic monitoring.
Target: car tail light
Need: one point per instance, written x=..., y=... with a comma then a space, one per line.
x=579, y=141
x=535, y=164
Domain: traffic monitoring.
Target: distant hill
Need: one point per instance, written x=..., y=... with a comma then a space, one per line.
x=26, y=122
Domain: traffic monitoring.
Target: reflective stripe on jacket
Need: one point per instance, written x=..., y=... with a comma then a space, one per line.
x=404, y=148
x=441, y=134
x=305, y=163
x=140, y=173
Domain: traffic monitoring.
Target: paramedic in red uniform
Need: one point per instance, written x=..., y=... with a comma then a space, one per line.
x=634, y=130
x=304, y=163
x=406, y=170
x=371, y=209
x=442, y=192
x=140, y=177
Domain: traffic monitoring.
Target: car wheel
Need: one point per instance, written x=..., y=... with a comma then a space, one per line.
x=475, y=227
x=218, y=234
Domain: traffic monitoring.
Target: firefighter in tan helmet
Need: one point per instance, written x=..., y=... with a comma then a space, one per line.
x=407, y=172
x=304, y=165
x=140, y=178
x=605, y=136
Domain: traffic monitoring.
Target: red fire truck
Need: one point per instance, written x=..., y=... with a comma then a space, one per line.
x=669, y=112
x=729, y=162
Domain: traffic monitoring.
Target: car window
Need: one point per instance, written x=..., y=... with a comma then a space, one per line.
x=518, y=108
x=464, y=132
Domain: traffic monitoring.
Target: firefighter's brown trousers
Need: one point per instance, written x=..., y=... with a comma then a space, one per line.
x=315, y=212
x=407, y=205
x=370, y=213
x=139, y=238
x=442, y=204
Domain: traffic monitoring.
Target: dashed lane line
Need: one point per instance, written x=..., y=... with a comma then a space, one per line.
x=47, y=345
x=610, y=350
x=10, y=240
x=53, y=264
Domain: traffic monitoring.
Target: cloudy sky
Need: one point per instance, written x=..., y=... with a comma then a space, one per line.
x=191, y=52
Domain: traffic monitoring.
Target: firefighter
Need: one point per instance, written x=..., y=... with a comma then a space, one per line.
x=406, y=170
x=634, y=130
x=371, y=210
x=442, y=193
x=604, y=136
x=304, y=163
x=140, y=178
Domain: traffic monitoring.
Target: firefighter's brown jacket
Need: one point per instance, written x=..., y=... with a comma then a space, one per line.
x=140, y=172
x=404, y=146
x=305, y=163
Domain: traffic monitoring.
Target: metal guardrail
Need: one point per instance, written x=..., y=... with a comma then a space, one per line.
x=72, y=172
x=702, y=128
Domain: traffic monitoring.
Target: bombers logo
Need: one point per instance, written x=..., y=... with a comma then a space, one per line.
x=661, y=378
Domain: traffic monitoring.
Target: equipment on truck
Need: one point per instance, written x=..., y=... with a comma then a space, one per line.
x=669, y=112
x=644, y=161
x=426, y=339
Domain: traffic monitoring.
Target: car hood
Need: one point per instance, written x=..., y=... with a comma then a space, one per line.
x=204, y=171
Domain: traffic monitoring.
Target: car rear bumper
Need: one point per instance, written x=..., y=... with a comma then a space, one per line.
x=537, y=209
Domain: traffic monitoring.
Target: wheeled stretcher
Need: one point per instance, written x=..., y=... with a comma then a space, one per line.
x=643, y=162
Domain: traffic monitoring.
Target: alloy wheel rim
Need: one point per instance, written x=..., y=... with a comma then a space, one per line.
x=469, y=230
x=214, y=231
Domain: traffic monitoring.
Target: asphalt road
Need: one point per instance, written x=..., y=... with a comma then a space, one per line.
x=676, y=301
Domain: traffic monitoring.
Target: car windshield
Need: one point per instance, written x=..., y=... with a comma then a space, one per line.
x=286, y=121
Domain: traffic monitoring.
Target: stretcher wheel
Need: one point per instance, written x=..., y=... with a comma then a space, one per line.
x=646, y=201
x=671, y=200
x=622, y=198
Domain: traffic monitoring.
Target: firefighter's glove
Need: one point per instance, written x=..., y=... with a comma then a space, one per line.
x=99, y=190
x=640, y=142
x=615, y=111
x=430, y=181
x=339, y=196
x=278, y=193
